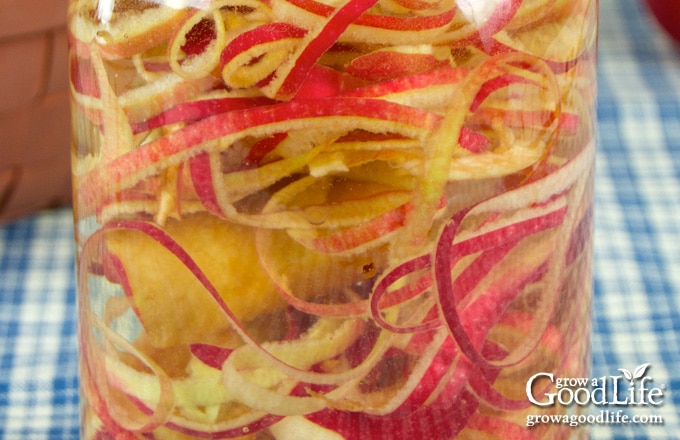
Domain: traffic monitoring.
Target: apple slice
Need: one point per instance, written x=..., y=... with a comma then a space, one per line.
x=172, y=304
x=559, y=41
x=124, y=33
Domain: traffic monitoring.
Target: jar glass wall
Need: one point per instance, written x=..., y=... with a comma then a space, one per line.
x=322, y=219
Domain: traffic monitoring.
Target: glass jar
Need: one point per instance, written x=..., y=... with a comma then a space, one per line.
x=320, y=219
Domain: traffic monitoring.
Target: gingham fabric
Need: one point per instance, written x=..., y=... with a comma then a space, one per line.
x=636, y=309
x=637, y=242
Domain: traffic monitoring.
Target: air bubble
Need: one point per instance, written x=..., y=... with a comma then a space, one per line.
x=104, y=37
x=316, y=215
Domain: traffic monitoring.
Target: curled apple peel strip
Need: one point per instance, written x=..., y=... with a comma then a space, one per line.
x=239, y=144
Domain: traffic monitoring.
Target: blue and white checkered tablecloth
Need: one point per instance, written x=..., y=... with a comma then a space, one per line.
x=637, y=253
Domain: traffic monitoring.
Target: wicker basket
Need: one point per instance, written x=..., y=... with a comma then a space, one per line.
x=34, y=108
